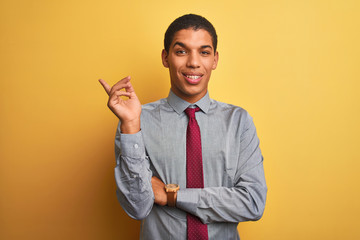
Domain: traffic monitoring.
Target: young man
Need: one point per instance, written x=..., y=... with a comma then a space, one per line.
x=188, y=166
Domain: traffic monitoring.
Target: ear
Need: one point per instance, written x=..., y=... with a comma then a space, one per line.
x=216, y=59
x=164, y=57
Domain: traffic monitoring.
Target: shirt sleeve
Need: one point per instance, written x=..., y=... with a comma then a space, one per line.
x=133, y=175
x=245, y=200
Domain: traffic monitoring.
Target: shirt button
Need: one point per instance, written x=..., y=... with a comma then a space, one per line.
x=136, y=146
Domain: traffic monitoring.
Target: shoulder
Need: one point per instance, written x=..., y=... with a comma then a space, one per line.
x=154, y=105
x=152, y=110
x=229, y=109
x=235, y=117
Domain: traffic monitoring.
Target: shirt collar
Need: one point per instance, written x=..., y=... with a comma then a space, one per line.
x=179, y=105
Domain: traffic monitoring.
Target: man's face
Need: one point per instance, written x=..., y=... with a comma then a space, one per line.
x=190, y=61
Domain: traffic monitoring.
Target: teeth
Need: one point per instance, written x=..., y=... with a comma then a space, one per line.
x=192, y=77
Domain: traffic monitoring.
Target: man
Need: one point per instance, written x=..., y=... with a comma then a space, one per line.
x=210, y=149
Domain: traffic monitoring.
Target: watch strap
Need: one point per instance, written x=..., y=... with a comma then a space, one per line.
x=171, y=199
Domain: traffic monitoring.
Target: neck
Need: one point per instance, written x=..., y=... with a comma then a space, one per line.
x=189, y=98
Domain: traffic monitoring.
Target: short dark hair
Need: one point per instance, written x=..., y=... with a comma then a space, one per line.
x=189, y=21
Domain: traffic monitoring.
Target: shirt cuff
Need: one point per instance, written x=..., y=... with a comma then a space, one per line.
x=132, y=145
x=187, y=199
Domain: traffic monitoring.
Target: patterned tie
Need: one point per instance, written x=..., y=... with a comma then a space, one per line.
x=196, y=230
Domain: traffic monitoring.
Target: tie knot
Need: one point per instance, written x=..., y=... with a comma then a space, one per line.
x=191, y=112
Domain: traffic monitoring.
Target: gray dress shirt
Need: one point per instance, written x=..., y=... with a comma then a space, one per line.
x=234, y=183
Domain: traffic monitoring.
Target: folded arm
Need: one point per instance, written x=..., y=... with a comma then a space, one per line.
x=243, y=201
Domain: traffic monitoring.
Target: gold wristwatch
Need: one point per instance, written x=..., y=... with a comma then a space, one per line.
x=171, y=190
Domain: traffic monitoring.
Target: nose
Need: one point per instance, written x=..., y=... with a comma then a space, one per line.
x=193, y=60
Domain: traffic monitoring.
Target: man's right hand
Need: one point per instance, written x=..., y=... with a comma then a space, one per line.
x=129, y=110
x=159, y=191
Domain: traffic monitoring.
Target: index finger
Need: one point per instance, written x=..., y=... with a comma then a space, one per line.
x=105, y=85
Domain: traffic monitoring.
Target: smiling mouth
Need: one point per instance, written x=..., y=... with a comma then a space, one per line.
x=192, y=78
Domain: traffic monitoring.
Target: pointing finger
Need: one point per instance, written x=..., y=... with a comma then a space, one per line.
x=105, y=85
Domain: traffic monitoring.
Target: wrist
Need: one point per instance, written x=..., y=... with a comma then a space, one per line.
x=130, y=127
x=171, y=192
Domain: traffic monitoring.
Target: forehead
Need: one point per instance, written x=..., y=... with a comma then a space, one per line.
x=193, y=38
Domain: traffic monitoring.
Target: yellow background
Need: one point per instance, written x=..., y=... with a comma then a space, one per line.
x=294, y=65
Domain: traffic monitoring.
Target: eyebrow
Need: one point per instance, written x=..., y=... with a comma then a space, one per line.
x=184, y=46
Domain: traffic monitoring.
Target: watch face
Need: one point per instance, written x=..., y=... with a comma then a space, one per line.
x=172, y=186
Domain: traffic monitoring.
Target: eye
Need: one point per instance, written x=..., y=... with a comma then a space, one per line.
x=205, y=53
x=181, y=52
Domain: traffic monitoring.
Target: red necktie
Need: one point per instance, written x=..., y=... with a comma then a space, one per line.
x=196, y=230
